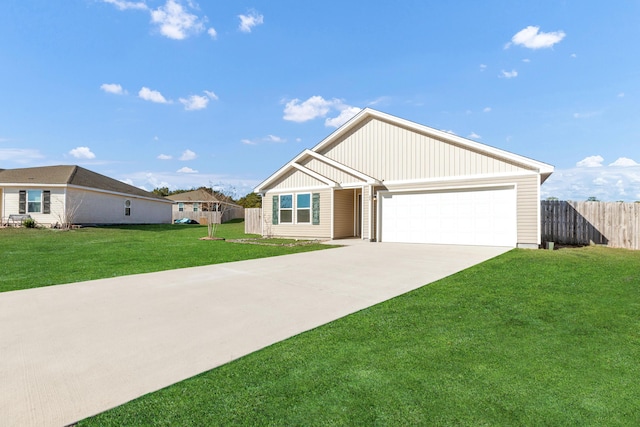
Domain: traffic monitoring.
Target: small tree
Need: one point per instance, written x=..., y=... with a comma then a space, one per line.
x=221, y=202
x=69, y=211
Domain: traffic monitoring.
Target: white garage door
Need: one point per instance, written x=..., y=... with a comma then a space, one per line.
x=466, y=217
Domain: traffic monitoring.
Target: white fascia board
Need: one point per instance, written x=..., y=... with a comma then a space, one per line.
x=343, y=168
x=418, y=182
x=315, y=175
x=116, y=193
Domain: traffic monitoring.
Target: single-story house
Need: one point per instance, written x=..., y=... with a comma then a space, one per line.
x=75, y=195
x=386, y=179
x=204, y=207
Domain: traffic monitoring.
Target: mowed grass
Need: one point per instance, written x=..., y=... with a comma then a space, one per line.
x=531, y=338
x=31, y=258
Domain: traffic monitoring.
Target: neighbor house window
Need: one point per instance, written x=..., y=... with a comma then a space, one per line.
x=195, y=206
x=303, y=208
x=286, y=208
x=127, y=208
x=180, y=207
x=34, y=201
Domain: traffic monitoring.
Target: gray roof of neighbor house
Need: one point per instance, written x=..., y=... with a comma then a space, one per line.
x=70, y=175
x=199, y=195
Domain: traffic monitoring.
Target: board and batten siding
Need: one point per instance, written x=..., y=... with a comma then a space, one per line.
x=390, y=152
x=527, y=199
x=296, y=179
x=330, y=172
x=344, y=213
x=320, y=231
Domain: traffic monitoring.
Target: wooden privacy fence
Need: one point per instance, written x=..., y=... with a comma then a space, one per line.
x=614, y=224
x=253, y=221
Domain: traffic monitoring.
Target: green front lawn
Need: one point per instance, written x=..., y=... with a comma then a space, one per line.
x=529, y=338
x=31, y=258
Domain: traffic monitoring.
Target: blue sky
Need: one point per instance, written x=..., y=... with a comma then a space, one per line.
x=181, y=93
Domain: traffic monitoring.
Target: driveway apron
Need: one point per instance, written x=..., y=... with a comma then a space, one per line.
x=71, y=351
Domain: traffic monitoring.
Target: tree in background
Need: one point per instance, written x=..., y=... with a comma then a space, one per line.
x=251, y=200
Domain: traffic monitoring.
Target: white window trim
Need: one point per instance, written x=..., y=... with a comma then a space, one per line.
x=296, y=207
x=41, y=201
x=292, y=208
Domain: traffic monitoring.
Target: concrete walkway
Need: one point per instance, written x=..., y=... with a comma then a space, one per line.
x=70, y=351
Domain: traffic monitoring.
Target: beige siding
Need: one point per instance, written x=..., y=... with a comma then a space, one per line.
x=389, y=152
x=103, y=208
x=528, y=203
x=11, y=204
x=296, y=179
x=320, y=231
x=330, y=172
x=343, y=213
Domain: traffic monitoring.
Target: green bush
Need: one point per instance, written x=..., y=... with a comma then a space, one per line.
x=29, y=223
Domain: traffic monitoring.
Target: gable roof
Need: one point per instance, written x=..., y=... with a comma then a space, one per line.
x=70, y=175
x=196, y=196
x=367, y=114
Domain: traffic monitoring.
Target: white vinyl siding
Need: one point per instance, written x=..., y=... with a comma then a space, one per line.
x=389, y=152
x=310, y=230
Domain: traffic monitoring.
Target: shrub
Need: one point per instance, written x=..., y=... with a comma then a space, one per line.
x=29, y=223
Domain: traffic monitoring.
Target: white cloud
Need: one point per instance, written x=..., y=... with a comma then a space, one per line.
x=211, y=95
x=585, y=115
x=114, y=88
x=486, y=110
x=526, y=60
x=483, y=67
x=346, y=113
x=19, y=155
x=152, y=95
x=82, y=153
x=312, y=108
x=188, y=155
x=124, y=5
x=531, y=37
x=590, y=162
x=607, y=183
x=248, y=142
x=508, y=74
x=175, y=22
x=164, y=157
x=317, y=107
x=213, y=33
x=573, y=55
x=194, y=102
x=624, y=162
x=252, y=19
x=474, y=135
x=186, y=170
x=274, y=138
x=621, y=95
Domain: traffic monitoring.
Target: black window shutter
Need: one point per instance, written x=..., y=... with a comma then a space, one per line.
x=46, y=202
x=275, y=210
x=22, y=204
x=315, y=205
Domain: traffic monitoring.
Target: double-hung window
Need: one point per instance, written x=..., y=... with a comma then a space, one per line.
x=127, y=208
x=195, y=206
x=180, y=207
x=286, y=208
x=303, y=208
x=34, y=201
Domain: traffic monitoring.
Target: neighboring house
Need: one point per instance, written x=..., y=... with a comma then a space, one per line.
x=72, y=194
x=382, y=178
x=202, y=206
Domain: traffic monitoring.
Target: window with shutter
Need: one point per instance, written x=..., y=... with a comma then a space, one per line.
x=46, y=202
x=22, y=204
x=315, y=209
x=275, y=209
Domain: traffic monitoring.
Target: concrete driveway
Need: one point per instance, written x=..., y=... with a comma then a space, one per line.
x=71, y=351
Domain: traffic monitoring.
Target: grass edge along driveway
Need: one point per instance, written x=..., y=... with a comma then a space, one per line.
x=32, y=258
x=528, y=338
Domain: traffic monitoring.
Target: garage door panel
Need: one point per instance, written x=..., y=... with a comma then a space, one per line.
x=468, y=217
